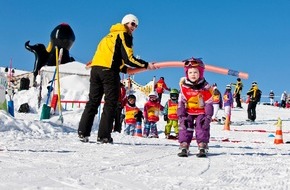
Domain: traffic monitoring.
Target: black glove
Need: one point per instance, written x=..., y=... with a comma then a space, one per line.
x=165, y=117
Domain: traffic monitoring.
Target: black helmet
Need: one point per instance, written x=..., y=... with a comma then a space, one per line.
x=239, y=79
x=131, y=96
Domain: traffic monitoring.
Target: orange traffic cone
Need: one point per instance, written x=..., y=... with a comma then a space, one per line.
x=279, y=135
x=138, y=130
x=227, y=123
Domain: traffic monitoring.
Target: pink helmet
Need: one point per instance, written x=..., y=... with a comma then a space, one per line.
x=194, y=63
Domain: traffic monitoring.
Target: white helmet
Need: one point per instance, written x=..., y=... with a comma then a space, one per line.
x=130, y=18
x=228, y=87
x=153, y=94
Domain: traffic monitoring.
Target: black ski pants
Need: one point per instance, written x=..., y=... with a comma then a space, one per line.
x=103, y=81
x=238, y=100
x=252, y=110
x=118, y=119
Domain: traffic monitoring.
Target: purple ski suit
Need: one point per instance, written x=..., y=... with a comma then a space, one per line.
x=199, y=120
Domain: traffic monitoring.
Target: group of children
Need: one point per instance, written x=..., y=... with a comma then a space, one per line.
x=133, y=116
x=188, y=110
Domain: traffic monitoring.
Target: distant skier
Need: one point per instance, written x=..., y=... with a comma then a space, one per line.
x=217, y=102
x=170, y=114
x=195, y=108
x=228, y=102
x=271, y=96
x=152, y=108
x=254, y=98
x=160, y=86
x=238, y=92
x=122, y=100
x=283, y=99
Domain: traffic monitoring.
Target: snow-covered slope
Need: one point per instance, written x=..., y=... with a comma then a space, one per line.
x=45, y=155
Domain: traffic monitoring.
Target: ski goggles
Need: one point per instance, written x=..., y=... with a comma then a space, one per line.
x=194, y=62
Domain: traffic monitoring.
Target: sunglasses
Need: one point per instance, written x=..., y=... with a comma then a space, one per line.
x=134, y=24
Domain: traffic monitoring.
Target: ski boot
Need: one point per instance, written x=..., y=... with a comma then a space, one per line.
x=83, y=139
x=167, y=136
x=105, y=140
x=203, y=149
x=184, y=150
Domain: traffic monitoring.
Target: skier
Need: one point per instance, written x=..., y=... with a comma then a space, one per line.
x=283, y=99
x=217, y=102
x=228, y=102
x=271, y=96
x=238, y=92
x=160, y=86
x=131, y=114
x=195, y=108
x=152, y=109
x=121, y=103
x=170, y=114
x=254, y=97
x=114, y=53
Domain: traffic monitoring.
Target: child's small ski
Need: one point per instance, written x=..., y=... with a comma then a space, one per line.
x=184, y=153
x=201, y=154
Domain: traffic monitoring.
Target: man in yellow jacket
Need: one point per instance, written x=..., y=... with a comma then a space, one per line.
x=114, y=53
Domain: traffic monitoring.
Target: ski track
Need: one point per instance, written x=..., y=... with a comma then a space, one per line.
x=155, y=162
x=142, y=173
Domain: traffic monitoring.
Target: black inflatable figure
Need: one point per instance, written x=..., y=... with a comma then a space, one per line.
x=62, y=36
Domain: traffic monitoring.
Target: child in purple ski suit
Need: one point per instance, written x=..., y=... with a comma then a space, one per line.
x=195, y=107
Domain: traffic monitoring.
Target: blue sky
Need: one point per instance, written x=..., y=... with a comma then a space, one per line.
x=251, y=36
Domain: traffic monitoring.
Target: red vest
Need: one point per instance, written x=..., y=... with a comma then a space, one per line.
x=195, y=99
x=153, y=110
x=172, y=110
x=130, y=113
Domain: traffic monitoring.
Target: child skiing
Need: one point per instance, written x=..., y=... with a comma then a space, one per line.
x=217, y=102
x=160, y=86
x=122, y=100
x=152, y=109
x=170, y=114
x=228, y=102
x=195, y=108
x=131, y=113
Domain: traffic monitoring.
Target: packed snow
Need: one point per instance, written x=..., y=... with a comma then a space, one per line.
x=45, y=154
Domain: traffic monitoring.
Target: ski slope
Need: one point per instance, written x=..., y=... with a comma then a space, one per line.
x=44, y=155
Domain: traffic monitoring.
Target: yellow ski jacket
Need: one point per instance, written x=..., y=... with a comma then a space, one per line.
x=115, y=51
